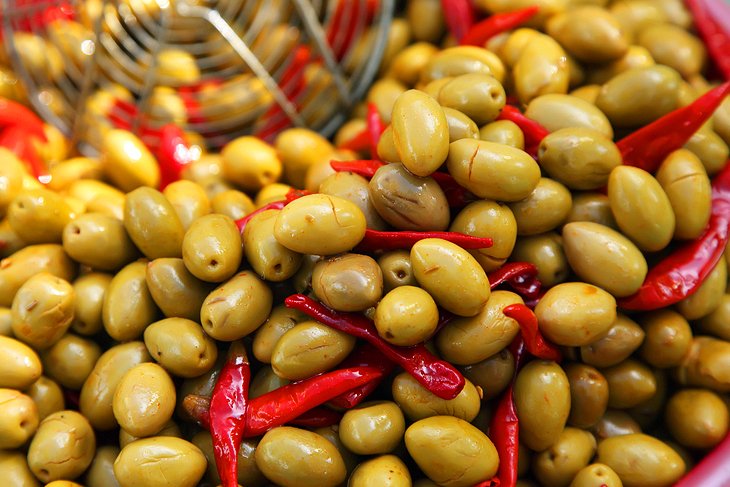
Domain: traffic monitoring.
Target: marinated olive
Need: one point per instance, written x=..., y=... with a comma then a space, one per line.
x=128, y=306
x=641, y=460
x=212, y=248
x=251, y=163
x=668, y=338
x=622, y=338
x=349, y=282
x=556, y=112
x=70, y=360
x=20, y=365
x=405, y=316
x=181, y=347
x=27, y=262
x=596, y=475
x=62, y=448
x=697, y=418
x=99, y=241
x=270, y=259
x=588, y=395
x=488, y=219
x=39, y=216
x=382, y=471
x=152, y=224
x=160, y=461
x=629, y=384
x=354, y=188
x=144, y=399
x=417, y=402
x=560, y=463
x=174, y=289
x=18, y=418
x=544, y=209
x=188, y=199
x=372, y=428
x=47, y=395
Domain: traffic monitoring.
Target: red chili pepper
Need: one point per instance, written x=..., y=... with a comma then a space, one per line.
x=375, y=128
x=13, y=114
x=712, y=20
x=504, y=431
x=481, y=32
x=318, y=417
x=459, y=16
x=228, y=406
x=21, y=142
x=534, y=342
x=436, y=375
x=290, y=196
x=521, y=276
x=647, y=147
x=359, y=143
x=533, y=131
x=712, y=471
x=375, y=240
x=364, y=355
x=39, y=13
x=364, y=167
x=683, y=272
x=489, y=483
x=173, y=154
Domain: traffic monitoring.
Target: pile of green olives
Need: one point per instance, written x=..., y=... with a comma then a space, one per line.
x=118, y=300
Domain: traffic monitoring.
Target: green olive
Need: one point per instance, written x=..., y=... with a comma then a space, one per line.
x=709, y=295
x=470, y=458
x=588, y=395
x=212, y=248
x=503, y=132
x=635, y=16
x=596, y=475
x=634, y=57
x=406, y=65
x=707, y=364
x=712, y=150
x=460, y=126
x=42, y=310
x=293, y=457
x=144, y=400
x=544, y=209
x=6, y=322
x=39, y=216
x=250, y=163
x=668, y=338
x=455, y=61
x=615, y=422
x=152, y=224
x=417, y=402
x=492, y=375
x=622, y=338
x=47, y=395
x=512, y=47
x=26, y=262
x=641, y=460
x=697, y=418
x=270, y=259
x=408, y=202
x=248, y=473
x=10, y=242
x=298, y=149
x=101, y=471
x=639, y=95
x=717, y=323
x=592, y=207
x=170, y=429
x=174, y=289
x=382, y=471
x=349, y=282
x=547, y=254
x=721, y=124
x=265, y=381
x=181, y=347
x=426, y=22
x=233, y=203
x=95, y=402
x=281, y=320
x=386, y=146
x=70, y=360
x=466, y=341
x=200, y=386
x=384, y=92
x=99, y=241
x=559, y=464
x=372, y=428
x=488, y=219
x=353, y=188
x=674, y=47
x=18, y=418
x=479, y=96
x=16, y=472
x=236, y=308
x=405, y=316
x=604, y=257
x=20, y=365
x=542, y=68
x=188, y=199
x=161, y=461
x=62, y=448
x=575, y=313
x=555, y=112
x=11, y=178
x=397, y=269
x=629, y=384
x=128, y=306
x=590, y=33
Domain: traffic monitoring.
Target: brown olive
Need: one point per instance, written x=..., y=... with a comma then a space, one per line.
x=621, y=339
x=349, y=282
x=668, y=338
x=588, y=395
x=492, y=374
x=629, y=384
x=615, y=422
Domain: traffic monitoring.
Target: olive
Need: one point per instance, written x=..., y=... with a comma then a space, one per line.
x=39, y=216
x=20, y=365
x=590, y=33
x=547, y=254
x=717, y=323
x=27, y=262
x=556, y=112
x=503, y=132
x=596, y=475
x=697, y=418
x=174, y=289
x=592, y=207
x=488, y=219
x=560, y=463
x=42, y=310
x=101, y=471
x=70, y=360
x=248, y=473
x=455, y=61
x=99, y=241
x=128, y=306
x=622, y=338
x=492, y=375
x=144, y=400
x=281, y=320
x=588, y=394
x=707, y=364
x=615, y=422
x=18, y=418
x=417, y=402
x=668, y=338
x=709, y=147
x=212, y=248
x=479, y=96
x=405, y=316
x=188, y=199
x=152, y=224
x=544, y=209
x=641, y=460
x=372, y=428
x=460, y=126
x=709, y=295
x=250, y=163
x=10, y=240
x=270, y=259
x=426, y=22
x=11, y=178
x=353, y=188
x=386, y=145
x=541, y=68
x=47, y=395
x=397, y=269
x=265, y=381
x=348, y=282
x=161, y=461
x=233, y=203
x=181, y=347
x=634, y=57
x=382, y=471
x=385, y=92
x=16, y=472
x=299, y=149
x=629, y=384
x=674, y=47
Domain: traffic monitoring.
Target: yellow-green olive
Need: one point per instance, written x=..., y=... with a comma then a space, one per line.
x=349, y=282
x=372, y=428
x=62, y=448
x=580, y=158
x=709, y=147
x=10, y=242
x=382, y=471
x=70, y=360
x=674, y=47
x=709, y=295
x=634, y=16
x=717, y=323
x=308, y=349
x=697, y=418
x=386, y=146
x=265, y=381
x=144, y=400
x=592, y=207
x=426, y=22
x=248, y=473
x=417, y=402
x=466, y=341
x=479, y=96
x=181, y=347
x=281, y=320
x=299, y=149
x=101, y=470
x=641, y=460
x=639, y=95
x=493, y=171
x=293, y=457
x=459, y=60
x=397, y=269
x=542, y=399
x=354, y=188
x=384, y=93
x=174, y=289
x=634, y=57
x=492, y=375
x=95, y=402
x=250, y=163
x=405, y=316
x=408, y=202
x=590, y=33
x=622, y=338
x=42, y=310
x=668, y=338
x=460, y=126
x=188, y=199
x=20, y=365
x=153, y=224
x=160, y=461
x=332, y=434
x=542, y=68
x=575, y=313
x=99, y=241
x=270, y=259
x=16, y=472
x=556, y=111
x=544, y=209
x=469, y=459
x=128, y=306
x=488, y=219
x=588, y=395
x=11, y=178
x=6, y=322
x=47, y=395
x=127, y=162
x=615, y=422
x=39, y=216
x=596, y=475
x=18, y=418
x=559, y=464
x=233, y=203
x=604, y=257
x=547, y=254
x=707, y=364
x=503, y=132
x=512, y=47
x=721, y=124
x=212, y=249
x=236, y=308
x=629, y=384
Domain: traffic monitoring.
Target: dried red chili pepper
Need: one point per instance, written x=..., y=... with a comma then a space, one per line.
x=535, y=343
x=521, y=276
x=369, y=356
x=712, y=20
x=376, y=240
x=173, y=154
x=504, y=431
x=712, y=471
x=436, y=375
x=290, y=196
x=481, y=32
x=459, y=17
x=533, y=131
x=375, y=128
x=13, y=114
x=228, y=406
x=363, y=167
x=647, y=147
x=681, y=273
x=318, y=417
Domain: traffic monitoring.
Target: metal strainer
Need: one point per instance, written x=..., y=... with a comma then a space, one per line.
x=219, y=68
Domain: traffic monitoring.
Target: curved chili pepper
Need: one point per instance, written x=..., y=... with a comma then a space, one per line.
x=436, y=375
x=363, y=167
x=173, y=154
x=504, y=431
x=369, y=356
x=521, y=276
x=535, y=343
x=375, y=128
x=381, y=240
x=21, y=142
x=712, y=471
x=290, y=196
x=359, y=143
x=714, y=27
x=647, y=147
x=533, y=131
x=481, y=32
x=13, y=114
x=228, y=406
x=318, y=417
x=459, y=17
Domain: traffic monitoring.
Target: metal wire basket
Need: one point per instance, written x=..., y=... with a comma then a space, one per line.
x=219, y=68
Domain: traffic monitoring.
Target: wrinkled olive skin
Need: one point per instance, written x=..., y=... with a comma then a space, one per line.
x=470, y=458
x=95, y=402
x=294, y=457
x=372, y=428
x=144, y=400
x=236, y=308
x=604, y=257
x=709, y=147
x=615, y=423
x=541, y=68
x=153, y=224
x=101, y=471
x=493, y=171
x=405, y=316
x=233, y=203
x=466, y=341
x=547, y=254
x=250, y=163
x=353, y=188
x=621, y=339
x=697, y=418
x=16, y=472
x=18, y=418
x=544, y=209
x=488, y=219
x=668, y=338
x=349, y=282
x=42, y=310
x=281, y=320
x=639, y=95
x=641, y=460
x=20, y=365
x=39, y=216
x=493, y=374
x=642, y=209
x=70, y=360
x=542, y=399
x=555, y=112
x=320, y=225
x=709, y=295
x=674, y=47
x=588, y=395
x=382, y=471
x=455, y=61
x=479, y=96
x=717, y=323
x=503, y=132
x=589, y=33
x=212, y=249
x=417, y=402
x=575, y=313
x=579, y=157
x=565, y=458
x=308, y=349
x=460, y=126
x=47, y=395
x=181, y=347
x=629, y=384
x=592, y=207
x=420, y=132
x=248, y=472
x=707, y=364
x=128, y=306
x=270, y=259
x=62, y=448
x=596, y=475
x=27, y=262
x=160, y=461
x=397, y=269
x=174, y=289
x=408, y=202
x=99, y=241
